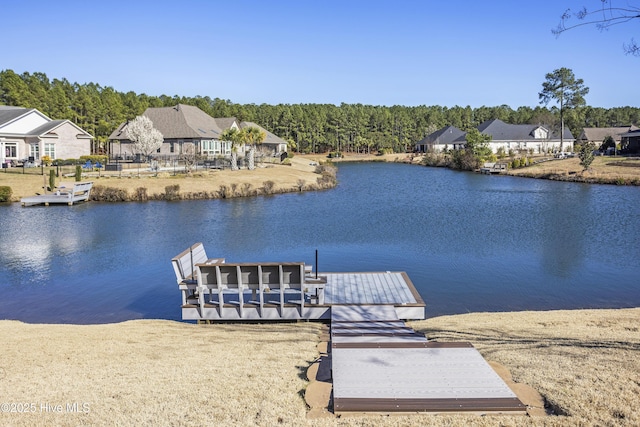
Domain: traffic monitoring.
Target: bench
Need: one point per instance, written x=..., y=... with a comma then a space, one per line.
x=184, y=265
x=225, y=283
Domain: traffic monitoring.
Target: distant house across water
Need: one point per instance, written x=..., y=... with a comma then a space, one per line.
x=503, y=135
x=598, y=135
x=184, y=125
x=26, y=135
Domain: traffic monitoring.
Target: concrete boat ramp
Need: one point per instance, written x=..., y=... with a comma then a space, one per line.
x=378, y=363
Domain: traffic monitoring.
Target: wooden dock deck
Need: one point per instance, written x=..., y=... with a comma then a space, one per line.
x=393, y=289
x=216, y=290
x=381, y=365
x=67, y=194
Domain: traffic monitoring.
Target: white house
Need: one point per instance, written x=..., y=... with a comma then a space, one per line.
x=440, y=140
x=503, y=135
x=26, y=135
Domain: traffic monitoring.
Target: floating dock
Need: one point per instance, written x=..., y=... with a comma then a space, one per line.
x=216, y=290
x=66, y=194
x=379, y=364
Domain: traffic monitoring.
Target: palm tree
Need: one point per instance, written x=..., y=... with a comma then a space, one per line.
x=232, y=135
x=253, y=136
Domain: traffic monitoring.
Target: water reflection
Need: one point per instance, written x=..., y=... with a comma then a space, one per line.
x=469, y=243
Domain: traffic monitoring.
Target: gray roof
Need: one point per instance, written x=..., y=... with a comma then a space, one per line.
x=181, y=122
x=8, y=113
x=634, y=132
x=189, y=122
x=47, y=127
x=445, y=135
x=269, y=138
x=501, y=131
x=599, y=134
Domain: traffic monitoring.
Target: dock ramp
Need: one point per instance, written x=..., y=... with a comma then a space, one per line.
x=379, y=364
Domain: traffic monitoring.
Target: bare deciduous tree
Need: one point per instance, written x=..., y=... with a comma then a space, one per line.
x=189, y=157
x=604, y=17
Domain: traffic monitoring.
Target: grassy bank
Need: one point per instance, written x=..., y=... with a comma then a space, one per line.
x=585, y=363
x=130, y=184
x=603, y=170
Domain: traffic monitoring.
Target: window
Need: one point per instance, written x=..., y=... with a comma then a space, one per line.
x=34, y=151
x=172, y=147
x=10, y=150
x=210, y=147
x=50, y=150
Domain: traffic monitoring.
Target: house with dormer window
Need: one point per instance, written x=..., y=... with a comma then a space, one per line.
x=26, y=135
x=183, y=125
x=525, y=137
x=516, y=138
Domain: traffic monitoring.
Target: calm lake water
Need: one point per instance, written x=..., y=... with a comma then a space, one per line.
x=469, y=243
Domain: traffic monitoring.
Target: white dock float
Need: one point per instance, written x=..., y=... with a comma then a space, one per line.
x=67, y=194
x=399, y=371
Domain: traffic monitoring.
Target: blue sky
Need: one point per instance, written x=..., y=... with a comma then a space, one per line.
x=371, y=52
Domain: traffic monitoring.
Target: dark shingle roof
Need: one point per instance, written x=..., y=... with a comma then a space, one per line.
x=445, y=135
x=501, y=131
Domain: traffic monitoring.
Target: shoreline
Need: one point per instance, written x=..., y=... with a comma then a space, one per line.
x=583, y=362
x=299, y=176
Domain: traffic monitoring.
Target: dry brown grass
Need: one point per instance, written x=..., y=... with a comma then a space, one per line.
x=285, y=178
x=145, y=372
x=613, y=170
x=157, y=373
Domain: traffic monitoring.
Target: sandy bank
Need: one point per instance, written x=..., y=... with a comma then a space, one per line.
x=144, y=372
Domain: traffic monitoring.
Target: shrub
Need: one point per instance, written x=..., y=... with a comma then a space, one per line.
x=515, y=164
x=300, y=184
x=464, y=160
x=141, y=194
x=172, y=192
x=52, y=179
x=327, y=177
x=78, y=173
x=46, y=160
x=5, y=193
x=247, y=190
x=100, y=193
x=268, y=187
x=224, y=191
x=434, y=159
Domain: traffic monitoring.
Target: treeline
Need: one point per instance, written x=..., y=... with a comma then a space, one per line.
x=308, y=127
